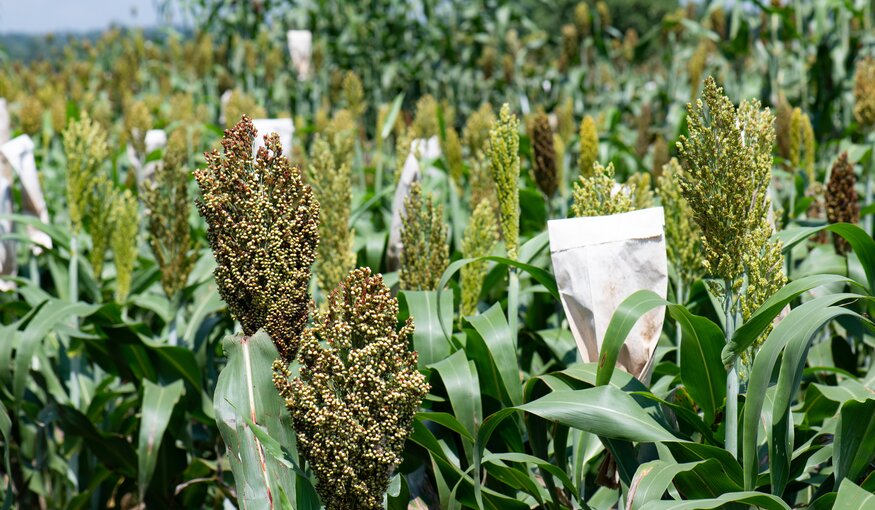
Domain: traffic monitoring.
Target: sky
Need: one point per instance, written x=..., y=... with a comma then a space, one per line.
x=42, y=16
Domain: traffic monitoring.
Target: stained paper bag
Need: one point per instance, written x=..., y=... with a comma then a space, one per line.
x=155, y=139
x=421, y=150
x=18, y=152
x=598, y=262
x=8, y=263
x=285, y=128
x=300, y=50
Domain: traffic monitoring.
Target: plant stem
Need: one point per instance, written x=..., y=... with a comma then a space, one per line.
x=731, y=420
x=172, y=335
x=73, y=296
x=513, y=302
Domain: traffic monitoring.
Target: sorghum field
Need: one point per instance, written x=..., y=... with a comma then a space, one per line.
x=443, y=254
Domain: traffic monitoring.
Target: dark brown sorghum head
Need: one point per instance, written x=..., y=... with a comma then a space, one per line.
x=545, y=155
x=841, y=199
x=263, y=227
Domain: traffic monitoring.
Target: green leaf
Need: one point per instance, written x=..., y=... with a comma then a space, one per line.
x=429, y=321
x=851, y=497
x=246, y=383
x=460, y=380
x=758, y=499
x=604, y=410
x=158, y=403
x=854, y=440
x=748, y=332
x=861, y=242
x=447, y=420
x=625, y=316
x=389, y=123
x=34, y=333
x=801, y=323
x=702, y=371
x=492, y=328
x=652, y=479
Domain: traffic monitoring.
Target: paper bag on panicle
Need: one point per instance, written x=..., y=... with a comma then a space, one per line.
x=420, y=150
x=285, y=128
x=598, y=262
x=8, y=262
x=300, y=44
x=18, y=152
x=155, y=139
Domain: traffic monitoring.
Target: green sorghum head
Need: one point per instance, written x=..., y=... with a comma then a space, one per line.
x=504, y=143
x=425, y=250
x=481, y=236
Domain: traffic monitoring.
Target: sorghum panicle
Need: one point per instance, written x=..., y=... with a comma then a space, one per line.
x=864, y=92
x=356, y=394
x=600, y=195
x=481, y=236
x=86, y=150
x=167, y=205
x=425, y=251
x=263, y=227
x=504, y=157
x=545, y=155
x=124, y=237
x=841, y=199
x=682, y=236
x=332, y=187
x=589, y=146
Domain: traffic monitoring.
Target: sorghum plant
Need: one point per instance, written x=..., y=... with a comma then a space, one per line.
x=357, y=391
x=425, y=122
x=589, y=146
x=841, y=199
x=504, y=143
x=332, y=186
x=240, y=103
x=481, y=236
x=354, y=94
x=638, y=188
x=544, y=152
x=660, y=157
x=137, y=120
x=167, y=204
x=263, y=228
x=802, y=143
x=727, y=161
x=425, y=252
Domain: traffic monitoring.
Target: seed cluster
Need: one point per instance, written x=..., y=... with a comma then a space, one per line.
x=864, y=92
x=481, y=236
x=727, y=161
x=544, y=151
x=589, y=146
x=332, y=186
x=476, y=133
x=425, y=252
x=263, y=227
x=357, y=391
x=841, y=199
x=599, y=194
x=167, y=204
x=504, y=155
x=126, y=226
x=682, y=235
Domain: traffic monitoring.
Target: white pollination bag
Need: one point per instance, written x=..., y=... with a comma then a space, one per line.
x=8, y=263
x=285, y=128
x=421, y=150
x=301, y=51
x=19, y=153
x=598, y=262
x=155, y=139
